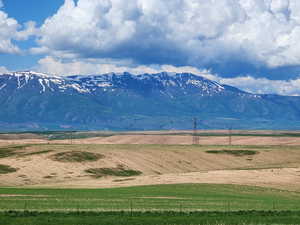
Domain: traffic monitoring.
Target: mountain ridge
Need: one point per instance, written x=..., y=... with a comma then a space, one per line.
x=27, y=75
x=123, y=101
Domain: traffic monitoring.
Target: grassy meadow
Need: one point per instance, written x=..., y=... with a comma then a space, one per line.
x=181, y=198
x=150, y=205
x=150, y=218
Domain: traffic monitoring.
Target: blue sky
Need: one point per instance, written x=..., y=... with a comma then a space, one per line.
x=251, y=44
x=35, y=10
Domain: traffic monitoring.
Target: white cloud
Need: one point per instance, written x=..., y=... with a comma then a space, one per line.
x=3, y=70
x=11, y=30
x=264, y=86
x=157, y=34
x=56, y=66
x=52, y=65
x=191, y=32
x=28, y=30
x=39, y=50
x=8, y=31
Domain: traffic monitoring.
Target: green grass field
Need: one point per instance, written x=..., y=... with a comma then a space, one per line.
x=184, y=197
x=150, y=218
x=150, y=205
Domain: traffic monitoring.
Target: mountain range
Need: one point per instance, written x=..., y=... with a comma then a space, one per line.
x=37, y=101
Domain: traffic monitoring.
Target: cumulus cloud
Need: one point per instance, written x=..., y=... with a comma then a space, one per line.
x=264, y=86
x=56, y=66
x=8, y=31
x=3, y=70
x=28, y=29
x=245, y=83
x=178, y=32
x=11, y=30
x=150, y=36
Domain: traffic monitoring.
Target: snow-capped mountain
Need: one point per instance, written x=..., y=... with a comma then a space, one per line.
x=38, y=81
x=126, y=101
x=165, y=83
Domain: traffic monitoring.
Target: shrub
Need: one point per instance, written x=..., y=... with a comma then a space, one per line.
x=4, y=169
x=76, y=156
x=233, y=152
x=119, y=171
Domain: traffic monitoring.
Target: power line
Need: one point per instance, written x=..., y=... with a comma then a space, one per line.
x=230, y=135
x=196, y=137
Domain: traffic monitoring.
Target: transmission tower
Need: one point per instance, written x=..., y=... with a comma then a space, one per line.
x=196, y=138
x=230, y=136
x=71, y=137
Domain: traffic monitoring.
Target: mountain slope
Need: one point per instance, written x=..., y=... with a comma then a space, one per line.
x=124, y=101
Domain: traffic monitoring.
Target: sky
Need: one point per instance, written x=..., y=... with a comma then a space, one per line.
x=251, y=44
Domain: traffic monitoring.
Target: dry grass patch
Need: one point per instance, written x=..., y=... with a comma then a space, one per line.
x=77, y=156
x=4, y=169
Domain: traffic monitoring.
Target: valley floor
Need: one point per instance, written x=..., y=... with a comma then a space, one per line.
x=216, y=137
x=64, y=180
x=258, y=164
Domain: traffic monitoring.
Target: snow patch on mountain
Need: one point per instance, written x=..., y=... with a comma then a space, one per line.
x=3, y=86
x=104, y=84
x=77, y=87
x=43, y=86
x=170, y=84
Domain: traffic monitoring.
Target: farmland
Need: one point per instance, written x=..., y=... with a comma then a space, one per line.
x=163, y=204
x=98, y=165
x=124, y=178
x=178, y=197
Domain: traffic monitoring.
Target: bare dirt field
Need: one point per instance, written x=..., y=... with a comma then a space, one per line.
x=186, y=140
x=152, y=158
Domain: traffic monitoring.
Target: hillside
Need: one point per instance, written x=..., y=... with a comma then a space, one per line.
x=82, y=166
